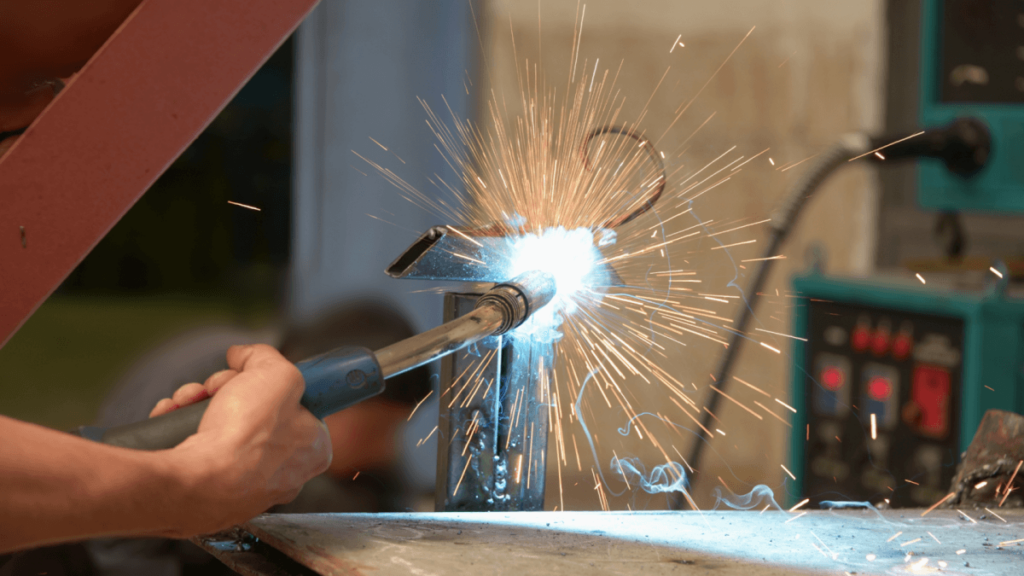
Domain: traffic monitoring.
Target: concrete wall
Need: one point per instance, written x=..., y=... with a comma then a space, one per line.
x=810, y=71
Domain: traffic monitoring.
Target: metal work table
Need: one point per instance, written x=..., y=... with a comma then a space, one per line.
x=818, y=542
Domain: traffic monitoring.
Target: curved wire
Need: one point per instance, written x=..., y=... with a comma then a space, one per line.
x=651, y=152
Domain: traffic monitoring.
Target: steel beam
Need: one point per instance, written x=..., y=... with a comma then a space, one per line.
x=134, y=107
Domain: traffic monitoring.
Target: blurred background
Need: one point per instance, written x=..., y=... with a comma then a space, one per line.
x=185, y=260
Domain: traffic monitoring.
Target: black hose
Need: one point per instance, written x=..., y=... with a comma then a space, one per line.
x=783, y=219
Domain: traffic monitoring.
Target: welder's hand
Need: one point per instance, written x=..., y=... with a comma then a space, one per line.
x=256, y=445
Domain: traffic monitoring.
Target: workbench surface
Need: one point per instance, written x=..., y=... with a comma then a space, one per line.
x=725, y=543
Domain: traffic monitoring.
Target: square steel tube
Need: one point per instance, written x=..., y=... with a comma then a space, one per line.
x=493, y=421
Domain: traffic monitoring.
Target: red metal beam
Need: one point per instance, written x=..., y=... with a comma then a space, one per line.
x=137, y=104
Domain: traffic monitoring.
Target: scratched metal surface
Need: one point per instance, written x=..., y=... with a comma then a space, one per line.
x=819, y=542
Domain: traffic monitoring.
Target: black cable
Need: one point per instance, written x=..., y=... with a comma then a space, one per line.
x=783, y=220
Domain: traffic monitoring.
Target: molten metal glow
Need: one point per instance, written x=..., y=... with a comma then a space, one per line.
x=568, y=255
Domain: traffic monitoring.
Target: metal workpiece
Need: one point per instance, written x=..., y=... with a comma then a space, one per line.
x=525, y=405
x=430, y=257
x=468, y=447
x=483, y=255
x=990, y=472
x=723, y=543
x=493, y=420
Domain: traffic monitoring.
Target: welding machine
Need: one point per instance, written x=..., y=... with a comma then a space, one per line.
x=893, y=381
x=894, y=377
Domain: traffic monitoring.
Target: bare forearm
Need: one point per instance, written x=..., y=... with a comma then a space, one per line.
x=56, y=487
x=256, y=446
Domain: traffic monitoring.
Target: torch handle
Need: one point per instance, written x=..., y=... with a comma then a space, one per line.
x=334, y=381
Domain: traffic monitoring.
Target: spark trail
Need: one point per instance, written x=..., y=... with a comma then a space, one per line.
x=648, y=261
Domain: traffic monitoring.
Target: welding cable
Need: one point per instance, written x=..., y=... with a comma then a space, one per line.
x=783, y=220
x=658, y=185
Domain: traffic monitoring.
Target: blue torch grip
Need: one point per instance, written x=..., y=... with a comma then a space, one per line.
x=334, y=381
x=340, y=378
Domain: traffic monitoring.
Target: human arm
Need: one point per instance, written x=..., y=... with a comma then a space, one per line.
x=256, y=446
x=363, y=436
x=55, y=487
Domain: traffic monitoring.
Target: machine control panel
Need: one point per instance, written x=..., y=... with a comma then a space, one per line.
x=881, y=389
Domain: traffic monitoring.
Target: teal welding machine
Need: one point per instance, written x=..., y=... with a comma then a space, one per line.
x=894, y=378
x=893, y=381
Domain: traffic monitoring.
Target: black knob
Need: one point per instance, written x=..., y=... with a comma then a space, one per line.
x=963, y=146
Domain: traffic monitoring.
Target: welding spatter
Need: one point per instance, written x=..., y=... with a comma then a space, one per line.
x=344, y=376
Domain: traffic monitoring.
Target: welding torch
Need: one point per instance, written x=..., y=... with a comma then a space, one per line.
x=345, y=376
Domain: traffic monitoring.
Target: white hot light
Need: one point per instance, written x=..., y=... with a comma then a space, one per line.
x=568, y=255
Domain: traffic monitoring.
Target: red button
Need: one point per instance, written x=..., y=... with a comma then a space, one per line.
x=930, y=395
x=832, y=378
x=902, y=346
x=879, y=388
x=861, y=338
x=880, y=342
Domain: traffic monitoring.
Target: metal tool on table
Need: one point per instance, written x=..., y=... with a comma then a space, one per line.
x=345, y=376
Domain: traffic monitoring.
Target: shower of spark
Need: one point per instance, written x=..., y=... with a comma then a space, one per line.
x=563, y=190
x=641, y=284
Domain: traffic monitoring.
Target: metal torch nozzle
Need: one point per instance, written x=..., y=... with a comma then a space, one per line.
x=519, y=298
x=499, y=310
